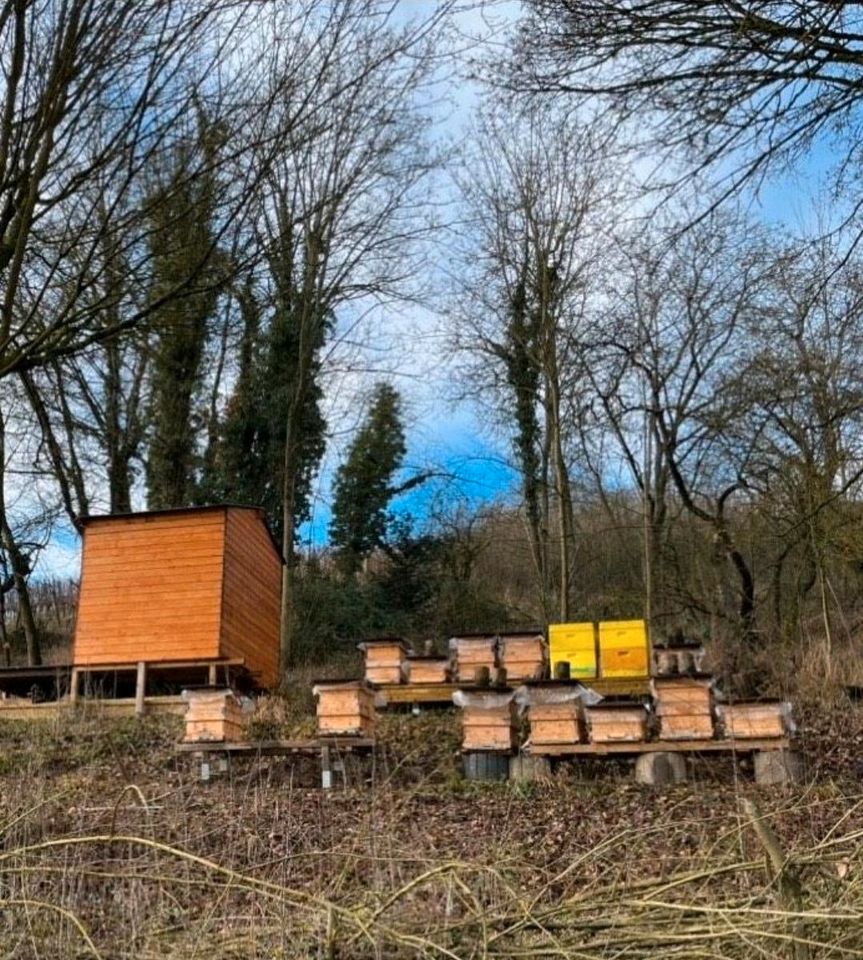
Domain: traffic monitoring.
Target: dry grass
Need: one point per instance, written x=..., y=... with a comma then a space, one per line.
x=110, y=847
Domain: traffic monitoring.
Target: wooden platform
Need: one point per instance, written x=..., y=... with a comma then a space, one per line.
x=658, y=746
x=329, y=751
x=20, y=709
x=280, y=747
x=393, y=694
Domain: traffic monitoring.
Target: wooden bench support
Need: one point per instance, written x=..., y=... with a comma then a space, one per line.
x=140, y=688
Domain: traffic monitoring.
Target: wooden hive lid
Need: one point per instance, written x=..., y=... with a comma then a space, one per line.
x=384, y=642
x=350, y=684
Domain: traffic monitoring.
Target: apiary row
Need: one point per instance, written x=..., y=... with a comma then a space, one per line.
x=524, y=656
x=584, y=651
x=556, y=715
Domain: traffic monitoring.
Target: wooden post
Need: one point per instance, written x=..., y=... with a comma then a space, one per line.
x=140, y=688
x=212, y=675
x=73, y=686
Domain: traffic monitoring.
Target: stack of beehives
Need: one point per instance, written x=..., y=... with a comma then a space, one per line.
x=386, y=660
x=684, y=706
x=524, y=656
x=474, y=654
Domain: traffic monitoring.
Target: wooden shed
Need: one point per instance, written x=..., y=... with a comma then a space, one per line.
x=193, y=584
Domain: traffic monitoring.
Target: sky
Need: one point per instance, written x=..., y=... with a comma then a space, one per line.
x=447, y=436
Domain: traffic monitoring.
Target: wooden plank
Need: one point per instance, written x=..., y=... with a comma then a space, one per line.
x=406, y=693
x=659, y=746
x=162, y=665
x=275, y=747
x=121, y=707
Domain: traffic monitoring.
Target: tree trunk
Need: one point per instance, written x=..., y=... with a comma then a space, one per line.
x=20, y=568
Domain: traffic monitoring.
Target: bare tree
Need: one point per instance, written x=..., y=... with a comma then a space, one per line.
x=538, y=194
x=740, y=86
x=807, y=413
x=665, y=369
x=334, y=226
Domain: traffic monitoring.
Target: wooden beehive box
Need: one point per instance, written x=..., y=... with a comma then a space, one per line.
x=754, y=720
x=555, y=723
x=617, y=722
x=473, y=652
x=624, y=648
x=489, y=722
x=428, y=669
x=213, y=716
x=523, y=655
x=201, y=583
x=345, y=708
x=684, y=706
x=386, y=660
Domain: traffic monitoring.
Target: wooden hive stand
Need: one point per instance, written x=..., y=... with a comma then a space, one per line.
x=386, y=660
x=684, y=706
x=524, y=656
x=472, y=652
x=345, y=708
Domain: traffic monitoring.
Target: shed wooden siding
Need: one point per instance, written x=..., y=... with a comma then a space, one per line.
x=184, y=585
x=252, y=595
x=151, y=588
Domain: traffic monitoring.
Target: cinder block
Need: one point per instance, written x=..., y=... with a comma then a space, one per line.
x=778, y=766
x=660, y=769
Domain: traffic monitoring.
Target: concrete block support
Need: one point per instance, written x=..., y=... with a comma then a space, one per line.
x=660, y=769
x=777, y=767
x=526, y=768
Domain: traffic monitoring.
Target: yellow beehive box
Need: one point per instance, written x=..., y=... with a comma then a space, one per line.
x=386, y=660
x=345, y=708
x=523, y=655
x=575, y=644
x=623, y=648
